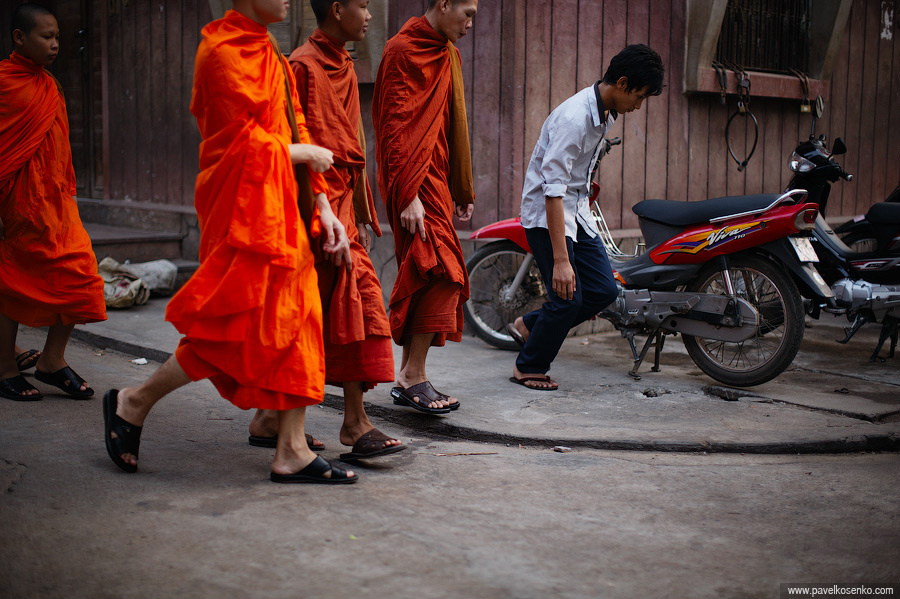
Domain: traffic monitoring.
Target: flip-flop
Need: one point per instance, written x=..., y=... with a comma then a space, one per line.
x=540, y=378
x=371, y=445
x=67, y=380
x=272, y=442
x=314, y=473
x=515, y=334
x=128, y=436
x=27, y=359
x=13, y=387
x=407, y=397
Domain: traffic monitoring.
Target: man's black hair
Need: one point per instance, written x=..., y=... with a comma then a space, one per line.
x=321, y=8
x=641, y=65
x=25, y=17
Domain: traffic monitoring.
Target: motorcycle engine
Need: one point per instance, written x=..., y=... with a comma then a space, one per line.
x=861, y=294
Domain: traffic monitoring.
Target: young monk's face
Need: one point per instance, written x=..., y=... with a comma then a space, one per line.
x=353, y=19
x=455, y=18
x=41, y=44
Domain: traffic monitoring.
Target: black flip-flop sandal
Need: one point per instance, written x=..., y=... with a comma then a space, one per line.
x=315, y=473
x=539, y=378
x=406, y=397
x=371, y=445
x=67, y=380
x=27, y=359
x=272, y=442
x=13, y=388
x=128, y=436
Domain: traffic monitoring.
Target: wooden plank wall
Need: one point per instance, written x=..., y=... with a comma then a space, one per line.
x=523, y=57
x=153, y=139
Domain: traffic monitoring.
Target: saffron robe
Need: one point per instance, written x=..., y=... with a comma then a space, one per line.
x=357, y=335
x=250, y=315
x=48, y=270
x=422, y=148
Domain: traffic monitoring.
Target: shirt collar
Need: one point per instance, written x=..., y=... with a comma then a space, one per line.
x=597, y=107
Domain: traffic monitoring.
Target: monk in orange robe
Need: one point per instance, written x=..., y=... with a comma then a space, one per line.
x=424, y=169
x=48, y=271
x=358, y=350
x=250, y=315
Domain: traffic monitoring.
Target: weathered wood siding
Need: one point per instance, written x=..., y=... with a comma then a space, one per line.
x=524, y=57
x=521, y=59
x=153, y=139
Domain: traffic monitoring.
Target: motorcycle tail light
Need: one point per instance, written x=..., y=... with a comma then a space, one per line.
x=806, y=219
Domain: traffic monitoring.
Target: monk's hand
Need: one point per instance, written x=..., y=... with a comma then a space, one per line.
x=365, y=239
x=336, y=244
x=413, y=218
x=318, y=158
x=563, y=279
x=464, y=211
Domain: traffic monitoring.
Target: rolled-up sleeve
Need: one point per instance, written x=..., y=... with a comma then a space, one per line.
x=565, y=141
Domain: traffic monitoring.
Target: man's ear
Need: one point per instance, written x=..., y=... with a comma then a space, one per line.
x=336, y=8
x=18, y=37
x=622, y=83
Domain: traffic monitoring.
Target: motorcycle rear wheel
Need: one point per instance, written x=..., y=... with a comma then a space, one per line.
x=779, y=334
x=491, y=272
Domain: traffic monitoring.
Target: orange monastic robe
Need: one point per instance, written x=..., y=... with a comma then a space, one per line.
x=412, y=116
x=250, y=315
x=357, y=335
x=48, y=271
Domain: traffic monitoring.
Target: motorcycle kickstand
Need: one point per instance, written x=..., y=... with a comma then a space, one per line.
x=653, y=339
x=858, y=322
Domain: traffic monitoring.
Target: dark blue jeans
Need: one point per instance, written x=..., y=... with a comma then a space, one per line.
x=595, y=289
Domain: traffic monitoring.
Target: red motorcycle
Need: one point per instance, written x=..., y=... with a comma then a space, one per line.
x=720, y=272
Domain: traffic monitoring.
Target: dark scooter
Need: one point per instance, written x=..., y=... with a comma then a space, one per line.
x=864, y=279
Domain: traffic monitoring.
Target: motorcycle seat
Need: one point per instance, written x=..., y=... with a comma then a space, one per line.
x=673, y=212
x=884, y=214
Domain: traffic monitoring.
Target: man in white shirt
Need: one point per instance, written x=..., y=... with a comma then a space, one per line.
x=555, y=212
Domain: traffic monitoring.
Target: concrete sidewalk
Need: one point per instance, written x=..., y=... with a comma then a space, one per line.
x=831, y=400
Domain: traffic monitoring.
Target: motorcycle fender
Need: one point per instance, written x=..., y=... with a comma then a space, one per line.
x=811, y=283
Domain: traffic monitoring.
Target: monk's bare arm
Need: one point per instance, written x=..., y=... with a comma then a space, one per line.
x=318, y=158
x=563, y=273
x=413, y=217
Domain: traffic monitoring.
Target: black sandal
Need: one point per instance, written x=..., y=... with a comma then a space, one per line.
x=128, y=436
x=27, y=359
x=13, y=388
x=315, y=473
x=418, y=397
x=67, y=380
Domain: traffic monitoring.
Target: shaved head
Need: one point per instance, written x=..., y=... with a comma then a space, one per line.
x=25, y=17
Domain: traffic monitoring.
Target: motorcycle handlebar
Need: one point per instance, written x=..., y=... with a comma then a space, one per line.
x=846, y=176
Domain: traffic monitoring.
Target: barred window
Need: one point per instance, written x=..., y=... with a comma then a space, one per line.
x=766, y=35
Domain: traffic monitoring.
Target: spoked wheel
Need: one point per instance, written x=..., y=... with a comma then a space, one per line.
x=492, y=270
x=777, y=341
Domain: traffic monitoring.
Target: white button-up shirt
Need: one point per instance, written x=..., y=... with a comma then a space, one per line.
x=562, y=161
